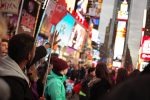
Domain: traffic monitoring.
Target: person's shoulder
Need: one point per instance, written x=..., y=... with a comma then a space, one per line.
x=19, y=88
x=14, y=80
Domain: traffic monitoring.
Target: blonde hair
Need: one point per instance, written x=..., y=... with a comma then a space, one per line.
x=3, y=26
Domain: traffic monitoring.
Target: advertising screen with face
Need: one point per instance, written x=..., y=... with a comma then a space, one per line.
x=64, y=28
x=77, y=37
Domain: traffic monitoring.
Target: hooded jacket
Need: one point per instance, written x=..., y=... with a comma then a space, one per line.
x=16, y=79
x=55, y=89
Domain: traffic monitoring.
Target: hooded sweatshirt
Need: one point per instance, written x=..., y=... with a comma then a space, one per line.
x=9, y=67
x=55, y=89
x=15, y=78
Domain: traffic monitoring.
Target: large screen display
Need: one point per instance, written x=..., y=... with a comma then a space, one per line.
x=65, y=27
x=77, y=37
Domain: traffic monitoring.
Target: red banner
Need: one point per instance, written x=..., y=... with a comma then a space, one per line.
x=59, y=12
x=145, y=54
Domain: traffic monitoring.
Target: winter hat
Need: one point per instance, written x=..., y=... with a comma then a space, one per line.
x=59, y=64
x=39, y=54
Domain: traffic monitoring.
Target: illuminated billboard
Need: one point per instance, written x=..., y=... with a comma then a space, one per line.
x=70, y=5
x=121, y=31
x=81, y=6
x=145, y=54
x=120, y=39
x=64, y=27
x=77, y=37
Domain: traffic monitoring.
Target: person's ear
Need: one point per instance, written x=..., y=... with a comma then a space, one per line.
x=29, y=57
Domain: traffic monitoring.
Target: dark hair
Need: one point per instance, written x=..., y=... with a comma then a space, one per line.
x=20, y=46
x=122, y=75
x=42, y=70
x=102, y=72
x=91, y=70
x=40, y=52
x=47, y=43
x=146, y=69
x=135, y=73
x=5, y=40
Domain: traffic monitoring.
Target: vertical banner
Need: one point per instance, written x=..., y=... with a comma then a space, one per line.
x=29, y=17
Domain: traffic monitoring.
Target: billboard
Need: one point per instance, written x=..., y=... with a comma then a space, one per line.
x=94, y=10
x=120, y=39
x=59, y=12
x=70, y=5
x=77, y=37
x=65, y=27
x=95, y=34
x=145, y=54
x=81, y=6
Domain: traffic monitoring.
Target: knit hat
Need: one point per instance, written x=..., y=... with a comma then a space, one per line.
x=59, y=64
x=39, y=54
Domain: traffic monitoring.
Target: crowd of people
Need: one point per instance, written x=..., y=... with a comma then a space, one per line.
x=26, y=75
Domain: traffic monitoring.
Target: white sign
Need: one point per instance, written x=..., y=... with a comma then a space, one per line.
x=146, y=47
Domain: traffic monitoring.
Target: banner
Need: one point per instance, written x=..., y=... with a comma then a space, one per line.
x=9, y=6
x=145, y=55
x=59, y=12
x=29, y=16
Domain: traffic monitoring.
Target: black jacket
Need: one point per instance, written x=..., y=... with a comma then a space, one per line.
x=19, y=88
x=99, y=89
x=132, y=89
x=16, y=79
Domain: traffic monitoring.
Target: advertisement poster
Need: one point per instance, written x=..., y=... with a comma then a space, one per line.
x=81, y=6
x=65, y=27
x=29, y=16
x=94, y=10
x=146, y=48
x=9, y=6
x=46, y=25
x=77, y=37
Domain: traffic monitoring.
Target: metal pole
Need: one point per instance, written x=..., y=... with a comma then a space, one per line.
x=19, y=18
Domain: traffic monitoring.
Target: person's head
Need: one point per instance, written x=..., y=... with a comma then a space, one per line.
x=21, y=48
x=102, y=72
x=40, y=53
x=135, y=73
x=113, y=73
x=47, y=45
x=91, y=72
x=4, y=47
x=60, y=66
x=122, y=75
